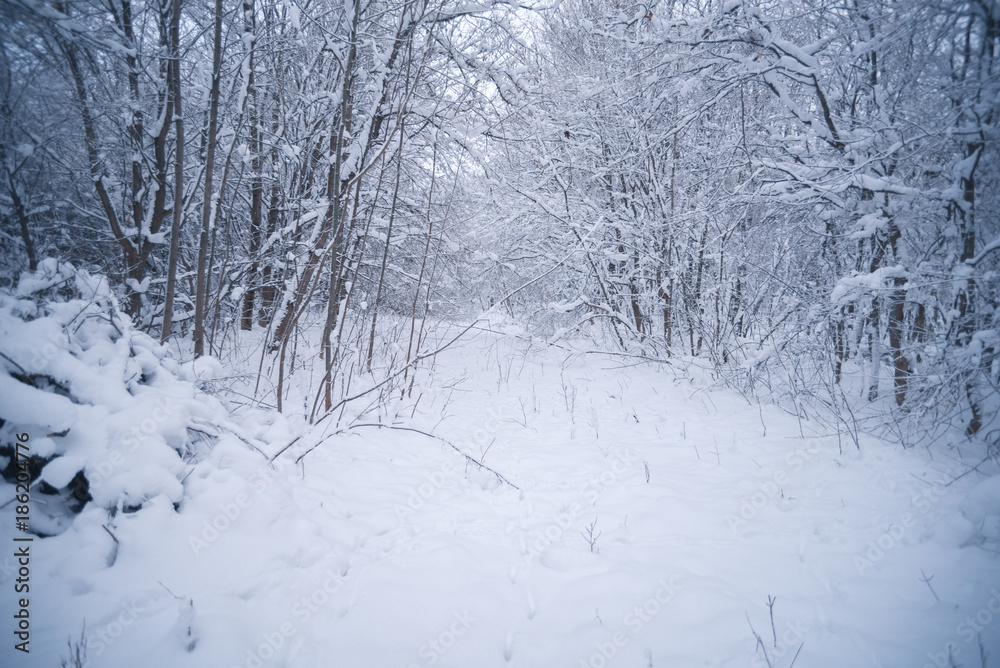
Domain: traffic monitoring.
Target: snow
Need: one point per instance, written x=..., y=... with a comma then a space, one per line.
x=469, y=8
x=97, y=395
x=849, y=287
x=30, y=406
x=567, y=307
x=982, y=505
x=964, y=168
x=294, y=15
x=642, y=518
x=869, y=224
x=806, y=59
x=136, y=286
x=881, y=184
x=990, y=247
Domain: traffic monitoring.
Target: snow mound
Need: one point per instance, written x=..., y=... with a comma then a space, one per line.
x=981, y=507
x=101, y=412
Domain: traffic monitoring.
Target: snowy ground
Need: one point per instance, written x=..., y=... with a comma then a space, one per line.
x=645, y=521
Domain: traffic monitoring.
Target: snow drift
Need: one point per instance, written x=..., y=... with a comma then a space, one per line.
x=112, y=419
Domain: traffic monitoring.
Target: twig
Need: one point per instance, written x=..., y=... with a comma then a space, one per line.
x=974, y=468
x=928, y=581
x=454, y=447
x=770, y=606
x=23, y=372
x=179, y=598
x=760, y=642
x=278, y=453
x=482, y=457
x=392, y=376
x=792, y=664
x=589, y=535
x=228, y=430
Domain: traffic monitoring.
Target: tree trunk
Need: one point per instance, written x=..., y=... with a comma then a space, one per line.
x=256, y=183
x=22, y=220
x=175, y=228
x=334, y=188
x=210, y=203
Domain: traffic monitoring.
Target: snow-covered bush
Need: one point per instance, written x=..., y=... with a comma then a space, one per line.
x=106, y=415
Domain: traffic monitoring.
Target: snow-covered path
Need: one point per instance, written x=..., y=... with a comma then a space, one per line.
x=645, y=523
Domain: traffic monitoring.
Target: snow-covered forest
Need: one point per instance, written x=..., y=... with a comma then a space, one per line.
x=553, y=333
